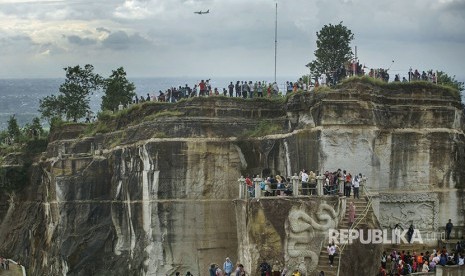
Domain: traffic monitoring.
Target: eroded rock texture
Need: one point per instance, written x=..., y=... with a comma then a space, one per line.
x=157, y=194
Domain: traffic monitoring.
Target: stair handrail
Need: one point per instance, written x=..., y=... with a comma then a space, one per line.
x=357, y=222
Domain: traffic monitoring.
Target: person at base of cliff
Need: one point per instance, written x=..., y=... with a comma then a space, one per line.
x=178, y=273
x=383, y=260
x=212, y=270
x=304, y=176
x=397, y=229
x=189, y=274
x=240, y=271
x=425, y=267
x=449, y=226
x=296, y=273
x=219, y=272
x=351, y=213
x=228, y=267
x=410, y=232
x=382, y=272
x=265, y=269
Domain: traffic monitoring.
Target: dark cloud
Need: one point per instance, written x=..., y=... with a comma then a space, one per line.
x=74, y=39
x=103, y=30
x=122, y=41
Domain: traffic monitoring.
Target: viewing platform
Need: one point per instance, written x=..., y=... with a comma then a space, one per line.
x=258, y=187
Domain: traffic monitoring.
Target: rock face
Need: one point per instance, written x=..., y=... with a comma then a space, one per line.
x=156, y=191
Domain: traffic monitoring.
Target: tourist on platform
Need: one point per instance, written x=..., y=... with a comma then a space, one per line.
x=356, y=185
x=312, y=183
x=347, y=183
x=449, y=226
x=304, y=177
x=351, y=213
x=250, y=186
x=228, y=267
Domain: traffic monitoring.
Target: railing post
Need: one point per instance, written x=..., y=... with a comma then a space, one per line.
x=295, y=185
x=258, y=190
x=319, y=185
x=241, y=187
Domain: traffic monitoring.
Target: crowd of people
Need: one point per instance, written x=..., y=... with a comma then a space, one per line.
x=278, y=185
x=250, y=89
x=229, y=269
x=242, y=89
x=404, y=263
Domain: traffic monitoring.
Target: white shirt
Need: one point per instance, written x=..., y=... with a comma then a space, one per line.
x=332, y=250
x=356, y=182
x=304, y=177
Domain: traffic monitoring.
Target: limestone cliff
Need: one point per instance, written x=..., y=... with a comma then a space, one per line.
x=153, y=190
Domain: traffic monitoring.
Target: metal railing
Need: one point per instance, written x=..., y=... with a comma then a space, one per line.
x=356, y=224
x=294, y=188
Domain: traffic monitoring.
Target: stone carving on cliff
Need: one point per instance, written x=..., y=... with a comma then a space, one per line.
x=305, y=235
x=419, y=209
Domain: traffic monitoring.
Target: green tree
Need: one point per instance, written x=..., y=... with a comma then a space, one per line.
x=118, y=90
x=35, y=129
x=13, y=128
x=450, y=81
x=73, y=100
x=333, y=49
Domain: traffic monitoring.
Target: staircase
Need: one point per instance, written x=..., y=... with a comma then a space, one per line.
x=362, y=219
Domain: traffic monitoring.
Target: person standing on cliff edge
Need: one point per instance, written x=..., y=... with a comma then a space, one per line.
x=449, y=226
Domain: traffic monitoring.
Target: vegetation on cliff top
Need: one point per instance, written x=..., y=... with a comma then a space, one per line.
x=450, y=88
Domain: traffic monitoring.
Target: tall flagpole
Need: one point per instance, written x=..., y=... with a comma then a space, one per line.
x=275, y=40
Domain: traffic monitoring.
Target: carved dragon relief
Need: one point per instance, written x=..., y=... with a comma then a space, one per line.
x=305, y=235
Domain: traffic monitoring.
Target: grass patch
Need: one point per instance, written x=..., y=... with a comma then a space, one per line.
x=401, y=85
x=164, y=113
x=160, y=135
x=263, y=128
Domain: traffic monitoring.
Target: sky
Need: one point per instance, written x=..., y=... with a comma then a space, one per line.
x=165, y=38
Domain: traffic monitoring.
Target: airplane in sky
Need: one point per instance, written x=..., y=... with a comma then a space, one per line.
x=202, y=12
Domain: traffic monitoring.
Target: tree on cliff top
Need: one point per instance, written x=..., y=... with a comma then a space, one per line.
x=73, y=100
x=333, y=49
x=13, y=128
x=447, y=80
x=118, y=90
